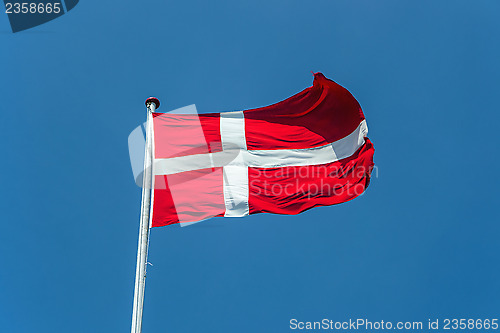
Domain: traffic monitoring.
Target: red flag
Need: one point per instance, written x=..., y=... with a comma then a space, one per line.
x=306, y=151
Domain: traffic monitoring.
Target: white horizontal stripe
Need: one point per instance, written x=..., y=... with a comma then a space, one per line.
x=169, y=166
x=329, y=153
x=235, y=154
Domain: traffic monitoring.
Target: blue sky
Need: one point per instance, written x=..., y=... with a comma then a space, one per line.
x=421, y=243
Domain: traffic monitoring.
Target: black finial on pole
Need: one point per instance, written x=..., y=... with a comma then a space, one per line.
x=154, y=100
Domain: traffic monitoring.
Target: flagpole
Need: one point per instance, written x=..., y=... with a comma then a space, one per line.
x=152, y=104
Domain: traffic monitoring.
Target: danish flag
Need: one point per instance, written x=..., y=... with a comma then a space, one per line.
x=307, y=151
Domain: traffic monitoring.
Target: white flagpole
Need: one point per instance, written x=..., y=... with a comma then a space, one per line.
x=142, y=251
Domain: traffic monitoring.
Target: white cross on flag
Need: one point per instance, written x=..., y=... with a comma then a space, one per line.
x=309, y=150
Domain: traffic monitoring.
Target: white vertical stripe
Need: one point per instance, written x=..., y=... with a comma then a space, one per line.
x=232, y=131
